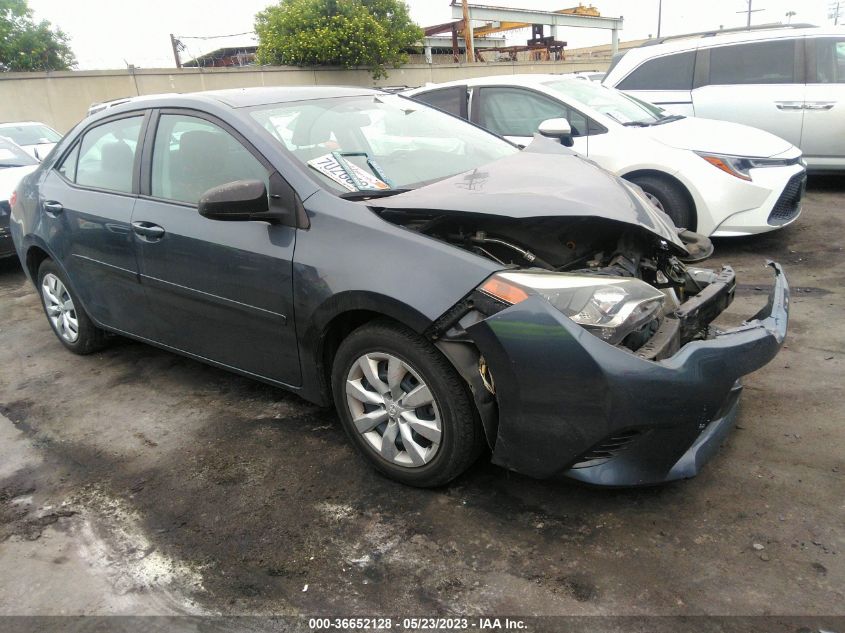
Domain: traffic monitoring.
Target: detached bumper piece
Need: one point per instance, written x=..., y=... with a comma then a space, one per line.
x=572, y=405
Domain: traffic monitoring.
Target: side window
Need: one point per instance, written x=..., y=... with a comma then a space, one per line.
x=452, y=100
x=516, y=112
x=192, y=155
x=106, y=157
x=830, y=61
x=757, y=63
x=670, y=72
x=68, y=165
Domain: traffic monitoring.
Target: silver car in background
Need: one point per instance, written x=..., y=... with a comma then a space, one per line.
x=787, y=81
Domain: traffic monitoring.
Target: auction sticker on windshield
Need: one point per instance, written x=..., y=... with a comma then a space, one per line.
x=329, y=166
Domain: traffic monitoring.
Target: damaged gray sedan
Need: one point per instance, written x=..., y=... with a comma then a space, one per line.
x=444, y=290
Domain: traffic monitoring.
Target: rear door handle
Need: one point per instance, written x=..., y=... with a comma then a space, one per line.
x=148, y=230
x=789, y=105
x=819, y=105
x=53, y=208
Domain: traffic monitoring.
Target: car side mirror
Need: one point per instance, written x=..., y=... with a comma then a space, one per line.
x=559, y=129
x=238, y=200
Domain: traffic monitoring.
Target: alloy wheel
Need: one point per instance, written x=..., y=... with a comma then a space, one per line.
x=393, y=409
x=60, y=308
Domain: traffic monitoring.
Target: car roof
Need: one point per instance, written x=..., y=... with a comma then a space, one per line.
x=22, y=123
x=240, y=97
x=635, y=56
x=527, y=79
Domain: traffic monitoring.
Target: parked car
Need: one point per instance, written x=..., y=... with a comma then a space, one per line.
x=15, y=163
x=789, y=81
x=36, y=138
x=716, y=178
x=441, y=287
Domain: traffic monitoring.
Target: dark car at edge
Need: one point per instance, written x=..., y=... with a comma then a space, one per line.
x=445, y=291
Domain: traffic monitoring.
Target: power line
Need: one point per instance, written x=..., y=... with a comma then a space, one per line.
x=213, y=37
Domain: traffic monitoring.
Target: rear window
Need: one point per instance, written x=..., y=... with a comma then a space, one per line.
x=756, y=63
x=670, y=72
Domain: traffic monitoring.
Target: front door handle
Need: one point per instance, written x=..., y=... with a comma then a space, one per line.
x=789, y=105
x=819, y=105
x=148, y=230
x=53, y=208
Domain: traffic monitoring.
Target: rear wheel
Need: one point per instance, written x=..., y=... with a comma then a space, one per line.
x=403, y=406
x=70, y=323
x=670, y=198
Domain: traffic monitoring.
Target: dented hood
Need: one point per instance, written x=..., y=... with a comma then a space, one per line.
x=544, y=180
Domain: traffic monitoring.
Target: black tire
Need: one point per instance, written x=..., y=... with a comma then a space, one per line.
x=674, y=200
x=90, y=338
x=462, y=438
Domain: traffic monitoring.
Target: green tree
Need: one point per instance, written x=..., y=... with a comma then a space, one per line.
x=29, y=45
x=348, y=33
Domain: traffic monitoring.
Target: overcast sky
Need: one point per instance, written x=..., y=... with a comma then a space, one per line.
x=109, y=34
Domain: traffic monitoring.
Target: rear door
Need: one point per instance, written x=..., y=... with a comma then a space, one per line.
x=760, y=84
x=666, y=81
x=823, y=132
x=516, y=113
x=87, y=201
x=219, y=290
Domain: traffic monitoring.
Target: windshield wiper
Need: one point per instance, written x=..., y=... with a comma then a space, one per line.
x=637, y=123
x=668, y=119
x=340, y=157
x=364, y=194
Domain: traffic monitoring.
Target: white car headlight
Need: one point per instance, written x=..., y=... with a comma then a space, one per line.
x=740, y=166
x=609, y=307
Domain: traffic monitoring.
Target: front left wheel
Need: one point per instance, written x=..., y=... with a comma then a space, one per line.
x=70, y=323
x=403, y=405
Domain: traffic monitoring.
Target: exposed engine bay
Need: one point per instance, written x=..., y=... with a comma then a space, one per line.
x=596, y=247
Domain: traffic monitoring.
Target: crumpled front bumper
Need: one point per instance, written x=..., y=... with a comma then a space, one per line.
x=570, y=404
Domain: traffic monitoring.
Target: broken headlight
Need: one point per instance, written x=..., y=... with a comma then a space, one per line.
x=607, y=307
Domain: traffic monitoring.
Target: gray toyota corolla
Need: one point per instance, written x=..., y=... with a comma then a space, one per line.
x=443, y=289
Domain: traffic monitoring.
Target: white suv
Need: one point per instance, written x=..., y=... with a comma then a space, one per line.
x=788, y=81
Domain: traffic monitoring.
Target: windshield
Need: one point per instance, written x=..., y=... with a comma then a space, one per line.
x=30, y=134
x=609, y=101
x=378, y=141
x=13, y=156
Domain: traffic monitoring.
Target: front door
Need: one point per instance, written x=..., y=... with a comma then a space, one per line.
x=516, y=114
x=219, y=290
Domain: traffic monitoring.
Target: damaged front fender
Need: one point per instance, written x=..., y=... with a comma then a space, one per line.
x=571, y=404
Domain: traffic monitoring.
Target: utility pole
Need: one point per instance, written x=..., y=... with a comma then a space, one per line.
x=468, y=37
x=659, y=16
x=749, y=11
x=175, y=46
x=834, y=10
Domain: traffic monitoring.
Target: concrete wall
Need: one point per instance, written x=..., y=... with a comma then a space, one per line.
x=60, y=99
